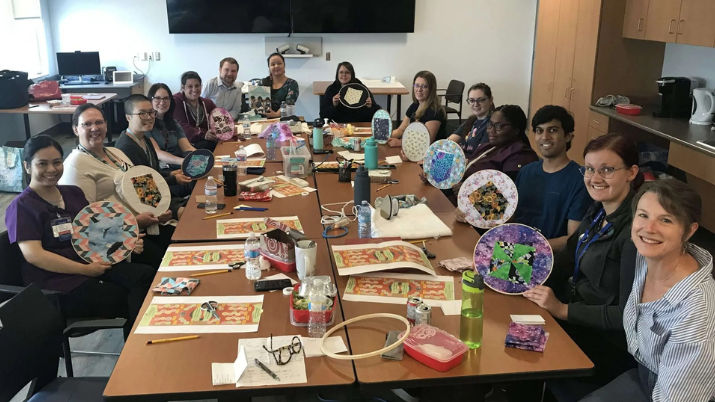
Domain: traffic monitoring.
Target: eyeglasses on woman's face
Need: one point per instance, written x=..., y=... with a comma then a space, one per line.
x=160, y=99
x=477, y=101
x=96, y=123
x=497, y=126
x=418, y=86
x=145, y=114
x=606, y=172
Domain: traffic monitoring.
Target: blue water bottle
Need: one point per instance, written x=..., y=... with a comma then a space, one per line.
x=317, y=135
x=371, y=153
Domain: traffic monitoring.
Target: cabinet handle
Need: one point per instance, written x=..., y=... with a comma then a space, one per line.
x=550, y=86
x=571, y=93
x=566, y=94
x=596, y=121
x=680, y=24
x=640, y=21
x=670, y=27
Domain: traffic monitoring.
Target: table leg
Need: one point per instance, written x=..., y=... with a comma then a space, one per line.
x=109, y=112
x=26, y=119
x=399, y=108
x=389, y=104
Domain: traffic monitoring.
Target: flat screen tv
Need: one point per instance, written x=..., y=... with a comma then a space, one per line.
x=228, y=16
x=353, y=16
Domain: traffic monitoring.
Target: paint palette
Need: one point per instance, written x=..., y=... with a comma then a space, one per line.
x=104, y=232
x=198, y=163
x=513, y=258
x=488, y=198
x=415, y=141
x=381, y=126
x=222, y=124
x=143, y=189
x=354, y=95
x=444, y=164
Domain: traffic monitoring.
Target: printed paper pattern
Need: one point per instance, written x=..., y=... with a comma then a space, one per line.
x=394, y=288
x=104, y=231
x=415, y=141
x=445, y=164
x=362, y=258
x=239, y=228
x=198, y=258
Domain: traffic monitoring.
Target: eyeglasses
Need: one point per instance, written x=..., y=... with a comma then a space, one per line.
x=89, y=124
x=606, y=172
x=144, y=115
x=417, y=86
x=478, y=101
x=160, y=99
x=293, y=349
x=497, y=126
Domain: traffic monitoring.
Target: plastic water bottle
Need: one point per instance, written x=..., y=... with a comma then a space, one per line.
x=246, y=128
x=242, y=161
x=271, y=147
x=317, y=304
x=284, y=109
x=364, y=221
x=210, y=191
x=251, y=251
x=471, y=323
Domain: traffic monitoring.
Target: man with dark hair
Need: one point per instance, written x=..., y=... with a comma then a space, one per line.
x=552, y=195
x=224, y=91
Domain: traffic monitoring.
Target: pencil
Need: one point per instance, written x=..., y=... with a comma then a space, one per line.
x=210, y=273
x=181, y=338
x=385, y=186
x=217, y=216
x=419, y=241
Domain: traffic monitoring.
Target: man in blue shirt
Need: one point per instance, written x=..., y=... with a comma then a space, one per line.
x=552, y=195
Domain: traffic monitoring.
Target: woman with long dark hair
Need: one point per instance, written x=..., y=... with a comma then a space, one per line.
x=168, y=137
x=330, y=106
x=283, y=89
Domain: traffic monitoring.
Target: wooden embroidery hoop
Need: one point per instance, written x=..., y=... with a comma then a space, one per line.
x=369, y=354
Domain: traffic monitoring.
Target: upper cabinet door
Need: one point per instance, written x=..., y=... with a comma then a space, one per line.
x=697, y=23
x=547, y=28
x=565, y=49
x=635, y=19
x=662, y=20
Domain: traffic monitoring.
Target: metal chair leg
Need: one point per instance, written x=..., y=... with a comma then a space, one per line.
x=68, y=357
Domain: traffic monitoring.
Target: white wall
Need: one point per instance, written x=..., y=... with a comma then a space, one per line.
x=690, y=61
x=468, y=40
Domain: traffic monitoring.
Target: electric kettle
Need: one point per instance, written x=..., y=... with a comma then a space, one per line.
x=704, y=107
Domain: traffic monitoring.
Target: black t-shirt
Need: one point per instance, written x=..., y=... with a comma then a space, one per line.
x=429, y=115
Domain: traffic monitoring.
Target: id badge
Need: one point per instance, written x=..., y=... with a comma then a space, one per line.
x=62, y=228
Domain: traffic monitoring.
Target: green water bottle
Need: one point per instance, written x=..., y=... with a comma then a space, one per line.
x=471, y=321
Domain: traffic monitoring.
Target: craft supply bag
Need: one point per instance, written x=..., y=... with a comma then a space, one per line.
x=11, y=170
x=45, y=90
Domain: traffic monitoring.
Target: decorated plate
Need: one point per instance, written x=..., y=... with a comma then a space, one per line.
x=513, y=258
x=381, y=126
x=143, y=189
x=444, y=164
x=104, y=231
x=354, y=95
x=415, y=141
x=222, y=124
x=198, y=163
x=488, y=198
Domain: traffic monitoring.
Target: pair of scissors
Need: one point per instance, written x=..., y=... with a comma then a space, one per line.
x=210, y=306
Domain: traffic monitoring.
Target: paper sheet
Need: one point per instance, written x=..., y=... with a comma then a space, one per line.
x=285, y=188
x=200, y=258
x=239, y=228
x=229, y=373
x=254, y=376
x=363, y=258
x=451, y=307
x=334, y=344
x=371, y=84
x=392, y=288
x=393, y=160
x=533, y=319
x=352, y=155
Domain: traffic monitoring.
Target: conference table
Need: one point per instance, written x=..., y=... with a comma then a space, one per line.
x=182, y=370
x=377, y=87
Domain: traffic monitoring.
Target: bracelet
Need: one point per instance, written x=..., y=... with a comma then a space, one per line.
x=369, y=354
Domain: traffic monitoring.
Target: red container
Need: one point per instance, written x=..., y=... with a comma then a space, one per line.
x=77, y=100
x=303, y=316
x=434, y=348
x=629, y=109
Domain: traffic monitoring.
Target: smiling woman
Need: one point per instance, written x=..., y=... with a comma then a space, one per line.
x=192, y=112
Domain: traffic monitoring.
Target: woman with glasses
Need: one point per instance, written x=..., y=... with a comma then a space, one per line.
x=330, y=106
x=193, y=112
x=593, y=274
x=473, y=132
x=425, y=108
x=283, y=89
x=167, y=136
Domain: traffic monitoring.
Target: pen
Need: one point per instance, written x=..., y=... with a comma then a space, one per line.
x=181, y=338
x=210, y=273
x=250, y=209
x=266, y=369
x=219, y=215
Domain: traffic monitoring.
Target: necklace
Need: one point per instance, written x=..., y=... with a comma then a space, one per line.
x=677, y=267
x=122, y=166
x=197, y=113
x=142, y=144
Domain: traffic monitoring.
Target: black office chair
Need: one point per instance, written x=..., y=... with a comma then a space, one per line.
x=11, y=284
x=453, y=94
x=31, y=340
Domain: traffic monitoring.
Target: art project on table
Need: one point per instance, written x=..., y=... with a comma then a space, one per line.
x=362, y=258
x=488, y=198
x=143, y=189
x=396, y=288
x=104, y=231
x=334, y=165
x=176, y=286
x=513, y=258
x=184, y=315
x=444, y=164
x=285, y=188
x=526, y=337
x=381, y=126
x=249, y=163
x=199, y=258
x=239, y=228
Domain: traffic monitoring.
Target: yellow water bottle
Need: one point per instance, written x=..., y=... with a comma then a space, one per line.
x=471, y=320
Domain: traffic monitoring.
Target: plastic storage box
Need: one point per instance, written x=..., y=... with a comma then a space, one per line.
x=434, y=347
x=298, y=164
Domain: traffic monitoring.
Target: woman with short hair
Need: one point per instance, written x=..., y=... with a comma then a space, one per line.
x=194, y=112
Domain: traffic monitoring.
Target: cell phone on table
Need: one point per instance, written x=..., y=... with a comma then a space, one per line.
x=202, y=205
x=386, y=167
x=266, y=285
x=322, y=151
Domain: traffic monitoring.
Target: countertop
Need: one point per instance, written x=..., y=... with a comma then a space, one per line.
x=675, y=130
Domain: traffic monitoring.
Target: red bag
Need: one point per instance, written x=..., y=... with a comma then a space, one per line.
x=45, y=90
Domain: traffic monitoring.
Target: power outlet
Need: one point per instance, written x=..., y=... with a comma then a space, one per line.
x=157, y=56
x=327, y=56
x=144, y=56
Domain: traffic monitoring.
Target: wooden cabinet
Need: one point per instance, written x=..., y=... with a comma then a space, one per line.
x=565, y=50
x=662, y=20
x=634, y=21
x=696, y=25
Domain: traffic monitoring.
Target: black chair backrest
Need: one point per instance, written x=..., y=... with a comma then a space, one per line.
x=10, y=262
x=30, y=342
x=455, y=89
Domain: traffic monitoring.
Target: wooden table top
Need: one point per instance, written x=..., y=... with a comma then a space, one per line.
x=182, y=370
x=319, y=88
x=44, y=107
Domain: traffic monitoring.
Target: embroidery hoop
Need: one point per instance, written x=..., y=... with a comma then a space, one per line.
x=199, y=152
x=225, y=136
x=414, y=137
x=363, y=97
x=125, y=190
x=381, y=115
x=369, y=354
x=471, y=184
x=82, y=222
x=459, y=163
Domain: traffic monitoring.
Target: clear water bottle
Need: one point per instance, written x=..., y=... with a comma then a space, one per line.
x=364, y=221
x=210, y=191
x=271, y=147
x=242, y=161
x=284, y=109
x=252, y=253
x=246, y=128
x=317, y=304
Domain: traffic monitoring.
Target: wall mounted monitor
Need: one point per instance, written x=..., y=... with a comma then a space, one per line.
x=353, y=16
x=228, y=16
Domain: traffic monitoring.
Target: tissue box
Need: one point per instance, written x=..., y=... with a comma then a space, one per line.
x=278, y=245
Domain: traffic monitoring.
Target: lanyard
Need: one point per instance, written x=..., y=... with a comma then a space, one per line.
x=146, y=146
x=585, y=242
x=122, y=166
x=475, y=129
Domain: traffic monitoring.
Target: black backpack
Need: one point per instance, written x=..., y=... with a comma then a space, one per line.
x=13, y=89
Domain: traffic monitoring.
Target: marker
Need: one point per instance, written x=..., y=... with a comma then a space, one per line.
x=383, y=187
x=266, y=369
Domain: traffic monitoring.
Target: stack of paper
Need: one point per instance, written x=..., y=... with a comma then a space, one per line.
x=528, y=319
